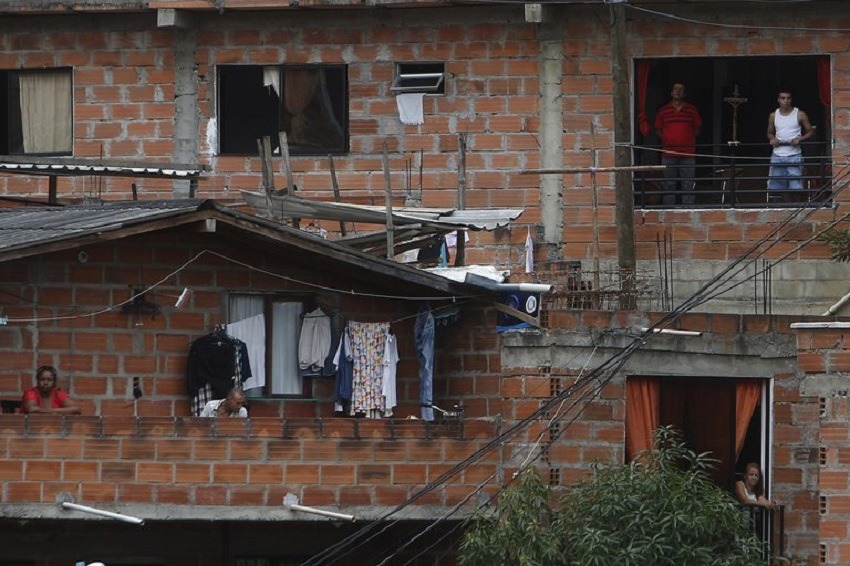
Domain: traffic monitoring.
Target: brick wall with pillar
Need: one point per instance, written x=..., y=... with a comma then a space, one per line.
x=824, y=354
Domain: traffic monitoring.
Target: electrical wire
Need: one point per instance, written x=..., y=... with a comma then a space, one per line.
x=764, y=160
x=610, y=366
x=733, y=26
x=200, y=254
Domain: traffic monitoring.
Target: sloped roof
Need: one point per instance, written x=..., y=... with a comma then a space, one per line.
x=30, y=231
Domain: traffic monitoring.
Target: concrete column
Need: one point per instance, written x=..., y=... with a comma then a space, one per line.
x=551, y=129
x=186, y=104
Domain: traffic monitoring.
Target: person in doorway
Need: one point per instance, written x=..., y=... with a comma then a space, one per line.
x=678, y=124
x=231, y=406
x=750, y=490
x=787, y=127
x=45, y=397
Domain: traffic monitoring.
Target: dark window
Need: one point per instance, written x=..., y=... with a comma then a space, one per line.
x=37, y=112
x=419, y=77
x=308, y=102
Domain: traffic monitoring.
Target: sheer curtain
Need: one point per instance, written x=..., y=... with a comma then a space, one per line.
x=241, y=308
x=45, y=99
x=286, y=325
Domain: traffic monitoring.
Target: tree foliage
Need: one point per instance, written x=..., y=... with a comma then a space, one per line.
x=839, y=243
x=662, y=509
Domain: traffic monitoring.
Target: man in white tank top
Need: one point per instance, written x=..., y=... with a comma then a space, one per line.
x=787, y=126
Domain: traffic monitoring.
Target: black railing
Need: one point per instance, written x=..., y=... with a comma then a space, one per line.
x=768, y=525
x=731, y=176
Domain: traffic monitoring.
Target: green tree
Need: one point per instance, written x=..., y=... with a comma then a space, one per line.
x=662, y=509
x=839, y=243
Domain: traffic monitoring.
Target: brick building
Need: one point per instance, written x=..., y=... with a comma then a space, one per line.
x=192, y=82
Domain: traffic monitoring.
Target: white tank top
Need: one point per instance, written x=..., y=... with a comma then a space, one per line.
x=787, y=128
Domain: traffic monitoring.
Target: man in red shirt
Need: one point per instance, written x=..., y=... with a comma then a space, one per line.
x=678, y=124
x=45, y=397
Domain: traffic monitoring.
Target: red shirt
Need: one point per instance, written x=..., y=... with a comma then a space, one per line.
x=678, y=127
x=57, y=397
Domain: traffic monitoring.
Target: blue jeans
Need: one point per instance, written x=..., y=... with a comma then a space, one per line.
x=680, y=171
x=782, y=169
x=424, y=332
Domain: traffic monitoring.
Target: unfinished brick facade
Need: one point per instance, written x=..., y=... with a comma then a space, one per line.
x=143, y=92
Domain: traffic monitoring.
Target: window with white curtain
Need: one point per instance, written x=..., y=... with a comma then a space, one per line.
x=38, y=108
x=282, y=318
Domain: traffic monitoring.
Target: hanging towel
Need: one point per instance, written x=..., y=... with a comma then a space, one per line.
x=410, y=108
x=529, y=253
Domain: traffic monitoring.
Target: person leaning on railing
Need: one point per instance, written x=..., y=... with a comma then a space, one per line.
x=750, y=490
x=45, y=397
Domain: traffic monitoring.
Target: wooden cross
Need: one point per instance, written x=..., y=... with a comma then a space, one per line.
x=735, y=100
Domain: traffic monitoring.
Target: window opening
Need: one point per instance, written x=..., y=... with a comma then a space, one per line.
x=734, y=97
x=419, y=77
x=38, y=111
x=308, y=102
x=272, y=342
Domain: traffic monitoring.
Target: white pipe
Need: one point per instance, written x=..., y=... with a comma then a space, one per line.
x=322, y=512
x=834, y=308
x=673, y=331
x=110, y=514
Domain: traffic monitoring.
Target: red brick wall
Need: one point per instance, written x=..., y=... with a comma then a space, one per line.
x=97, y=356
x=236, y=462
x=598, y=431
x=825, y=360
x=124, y=108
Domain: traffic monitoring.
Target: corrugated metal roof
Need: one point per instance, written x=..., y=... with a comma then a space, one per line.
x=67, y=166
x=30, y=231
x=446, y=218
x=22, y=227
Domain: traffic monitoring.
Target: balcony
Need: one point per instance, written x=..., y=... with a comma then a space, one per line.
x=735, y=176
x=153, y=466
x=769, y=526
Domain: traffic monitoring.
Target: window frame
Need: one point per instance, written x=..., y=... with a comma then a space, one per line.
x=338, y=102
x=430, y=80
x=269, y=299
x=11, y=145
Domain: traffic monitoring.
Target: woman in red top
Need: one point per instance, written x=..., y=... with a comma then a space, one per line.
x=45, y=397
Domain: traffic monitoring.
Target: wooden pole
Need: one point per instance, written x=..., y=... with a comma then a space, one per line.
x=290, y=185
x=335, y=183
x=284, y=152
x=51, y=189
x=624, y=211
x=388, y=198
x=268, y=184
x=595, y=212
x=460, y=249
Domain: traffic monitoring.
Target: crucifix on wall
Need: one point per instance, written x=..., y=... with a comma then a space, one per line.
x=735, y=100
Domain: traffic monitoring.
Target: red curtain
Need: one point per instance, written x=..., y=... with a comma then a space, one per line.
x=642, y=413
x=747, y=398
x=824, y=82
x=642, y=82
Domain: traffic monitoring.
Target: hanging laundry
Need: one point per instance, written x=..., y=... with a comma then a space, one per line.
x=390, y=363
x=314, y=344
x=344, y=374
x=368, y=340
x=252, y=331
x=219, y=361
x=424, y=333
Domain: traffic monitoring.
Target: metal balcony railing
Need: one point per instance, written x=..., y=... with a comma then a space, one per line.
x=769, y=526
x=733, y=176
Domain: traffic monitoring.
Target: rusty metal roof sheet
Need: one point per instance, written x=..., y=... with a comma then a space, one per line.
x=445, y=218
